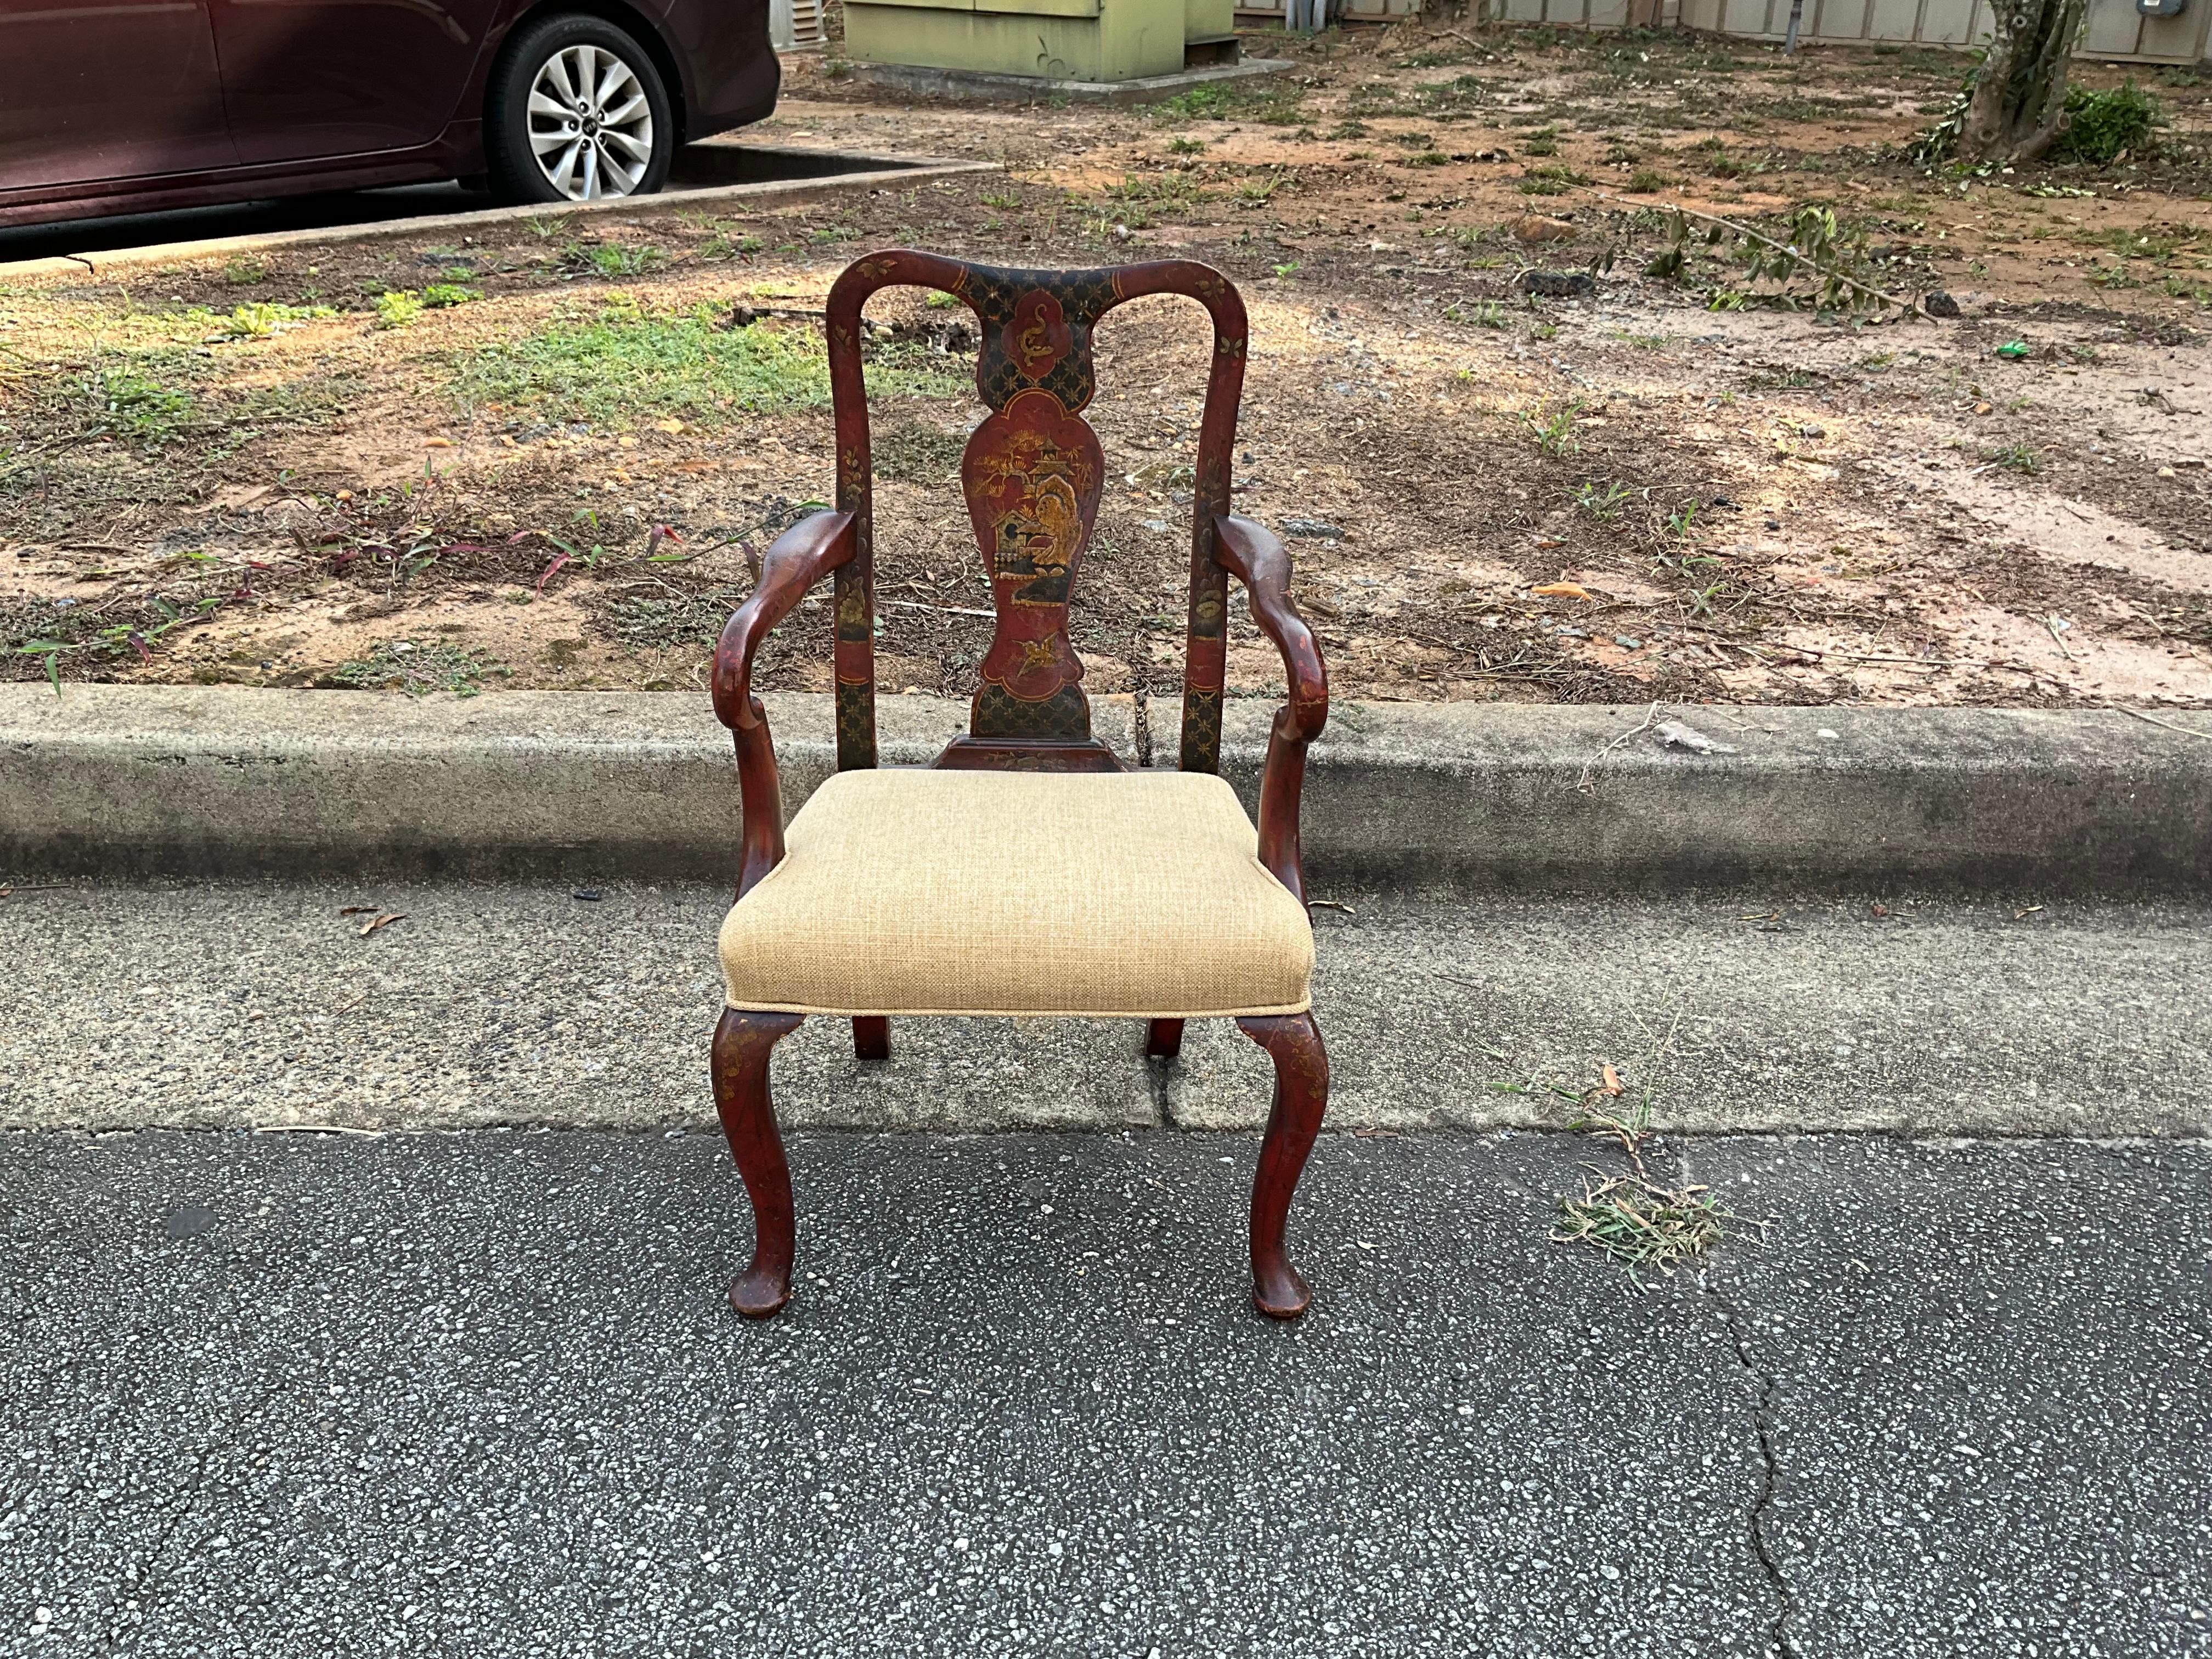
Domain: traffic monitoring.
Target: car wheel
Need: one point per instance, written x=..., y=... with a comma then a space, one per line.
x=577, y=111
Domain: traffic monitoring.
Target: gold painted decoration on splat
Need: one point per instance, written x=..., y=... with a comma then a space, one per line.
x=1033, y=473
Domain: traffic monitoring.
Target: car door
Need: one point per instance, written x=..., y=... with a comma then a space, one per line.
x=96, y=89
x=309, y=78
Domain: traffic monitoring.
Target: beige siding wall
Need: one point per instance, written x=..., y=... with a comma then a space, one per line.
x=2116, y=31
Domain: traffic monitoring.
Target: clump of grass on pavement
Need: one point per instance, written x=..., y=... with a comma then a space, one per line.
x=1638, y=1221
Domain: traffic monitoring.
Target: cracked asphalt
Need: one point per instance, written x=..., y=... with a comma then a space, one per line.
x=476, y=1392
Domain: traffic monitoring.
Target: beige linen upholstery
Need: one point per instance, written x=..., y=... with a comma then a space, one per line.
x=930, y=892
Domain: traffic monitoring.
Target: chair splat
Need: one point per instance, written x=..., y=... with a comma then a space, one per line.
x=1033, y=474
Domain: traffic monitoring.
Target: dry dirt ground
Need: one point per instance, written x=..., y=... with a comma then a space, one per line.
x=239, y=472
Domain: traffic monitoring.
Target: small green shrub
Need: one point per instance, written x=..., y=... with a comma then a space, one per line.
x=2101, y=126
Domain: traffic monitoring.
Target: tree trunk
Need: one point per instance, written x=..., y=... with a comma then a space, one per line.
x=2018, y=107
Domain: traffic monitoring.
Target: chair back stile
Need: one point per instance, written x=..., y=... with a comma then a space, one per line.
x=1033, y=475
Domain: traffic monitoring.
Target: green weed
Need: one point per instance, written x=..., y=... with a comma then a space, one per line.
x=418, y=667
x=397, y=307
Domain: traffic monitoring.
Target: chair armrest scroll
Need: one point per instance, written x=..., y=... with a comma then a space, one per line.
x=794, y=561
x=1256, y=558
x=797, y=560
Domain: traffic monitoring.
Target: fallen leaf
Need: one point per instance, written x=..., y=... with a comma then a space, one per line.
x=355, y=909
x=1331, y=904
x=1675, y=735
x=1613, y=1084
x=383, y=921
x=1562, y=591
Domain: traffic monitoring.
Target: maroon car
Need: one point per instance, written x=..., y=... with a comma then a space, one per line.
x=130, y=105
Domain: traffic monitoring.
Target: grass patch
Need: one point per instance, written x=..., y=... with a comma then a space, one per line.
x=1552, y=179
x=137, y=407
x=418, y=667
x=916, y=452
x=625, y=366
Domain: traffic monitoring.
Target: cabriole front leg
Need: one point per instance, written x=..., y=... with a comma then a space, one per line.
x=1294, y=1042
x=742, y=1044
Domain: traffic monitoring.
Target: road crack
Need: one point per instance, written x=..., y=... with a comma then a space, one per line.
x=1759, y=1520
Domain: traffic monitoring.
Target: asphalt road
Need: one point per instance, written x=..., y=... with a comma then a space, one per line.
x=476, y=1392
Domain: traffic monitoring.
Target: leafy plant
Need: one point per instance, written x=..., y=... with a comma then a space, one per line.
x=263, y=319
x=1605, y=507
x=397, y=307
x=1552, y=429
x=449, y=294
x=2102, y=127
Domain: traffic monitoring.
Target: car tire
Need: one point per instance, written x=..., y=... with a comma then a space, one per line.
x=600, y=125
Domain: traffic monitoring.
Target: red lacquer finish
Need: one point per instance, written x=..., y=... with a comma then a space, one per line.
x=1259, y=562
x=1033, y=474
x=742, y=1043
x=1294, y=1042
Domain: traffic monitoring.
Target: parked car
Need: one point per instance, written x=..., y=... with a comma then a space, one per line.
x=129, y=108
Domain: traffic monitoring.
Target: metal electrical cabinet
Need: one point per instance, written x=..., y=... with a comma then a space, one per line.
x=1100, y=40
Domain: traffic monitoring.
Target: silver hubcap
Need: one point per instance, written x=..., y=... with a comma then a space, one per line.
x=591, y=126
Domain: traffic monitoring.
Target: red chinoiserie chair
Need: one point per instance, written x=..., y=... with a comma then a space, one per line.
x=1026, y=873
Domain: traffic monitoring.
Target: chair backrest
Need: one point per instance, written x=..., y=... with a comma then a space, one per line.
x=1032, y=474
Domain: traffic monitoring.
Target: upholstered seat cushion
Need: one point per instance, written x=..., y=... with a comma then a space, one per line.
x=950, y=892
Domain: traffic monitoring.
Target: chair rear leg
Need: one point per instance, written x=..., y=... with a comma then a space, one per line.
x=1294, y=1042
x=1163, y=1039
x=742, y=1043
x=872, y=1036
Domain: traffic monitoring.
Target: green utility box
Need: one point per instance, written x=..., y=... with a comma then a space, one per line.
x=1099, y=40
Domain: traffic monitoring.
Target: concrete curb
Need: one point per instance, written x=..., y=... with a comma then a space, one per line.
x=893, y=171
x=134, y=781
x=1040, y=88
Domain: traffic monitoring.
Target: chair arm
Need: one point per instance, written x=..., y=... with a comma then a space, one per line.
x=1256, y=558
x=797, y=560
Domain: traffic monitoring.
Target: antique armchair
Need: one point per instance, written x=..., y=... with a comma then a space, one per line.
x=1025, y=871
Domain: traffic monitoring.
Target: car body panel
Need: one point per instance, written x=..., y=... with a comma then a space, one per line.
x=308, y=79
x=722, y=72
x=101, y=89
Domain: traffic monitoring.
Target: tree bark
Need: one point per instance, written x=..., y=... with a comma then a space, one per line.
x=2018, y=106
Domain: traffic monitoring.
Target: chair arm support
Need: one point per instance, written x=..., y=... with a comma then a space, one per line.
x=1256, y=558
x=797, y=559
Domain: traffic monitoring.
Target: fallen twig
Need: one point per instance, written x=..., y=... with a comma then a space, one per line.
x=1583, y=782
x=2186, y=731
x=1910, y=308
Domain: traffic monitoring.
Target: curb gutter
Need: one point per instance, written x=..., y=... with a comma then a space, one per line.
x=148, y=780
x=895, y=173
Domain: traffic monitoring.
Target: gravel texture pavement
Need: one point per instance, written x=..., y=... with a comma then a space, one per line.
x=476, y=1393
